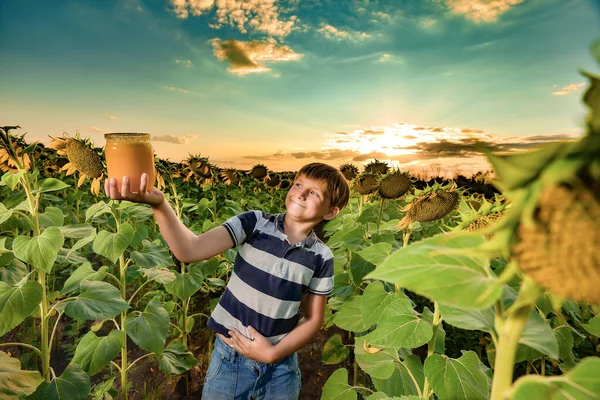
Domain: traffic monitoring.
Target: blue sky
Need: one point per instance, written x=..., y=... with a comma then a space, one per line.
x=285, y=83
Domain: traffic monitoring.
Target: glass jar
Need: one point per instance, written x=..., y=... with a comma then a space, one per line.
x=130, y=154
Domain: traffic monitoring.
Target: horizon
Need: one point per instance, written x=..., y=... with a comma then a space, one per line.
x=419, y=85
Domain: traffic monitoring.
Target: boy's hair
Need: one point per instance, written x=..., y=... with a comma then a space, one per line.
x=335, y=182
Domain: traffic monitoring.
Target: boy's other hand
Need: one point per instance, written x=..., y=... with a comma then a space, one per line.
x=259, y=349
x=153, y=197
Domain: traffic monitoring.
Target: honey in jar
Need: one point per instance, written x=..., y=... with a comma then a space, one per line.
x=130, y=154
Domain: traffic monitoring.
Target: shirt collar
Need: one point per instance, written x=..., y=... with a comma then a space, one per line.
x=308, y=242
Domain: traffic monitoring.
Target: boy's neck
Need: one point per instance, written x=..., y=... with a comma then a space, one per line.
x=296, y=231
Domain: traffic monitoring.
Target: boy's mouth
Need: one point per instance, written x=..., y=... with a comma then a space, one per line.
x=299, y=205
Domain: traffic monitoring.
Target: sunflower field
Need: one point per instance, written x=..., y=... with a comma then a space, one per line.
x=443, y=290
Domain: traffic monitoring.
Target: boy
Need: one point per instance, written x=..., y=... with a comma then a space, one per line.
x=257, y=321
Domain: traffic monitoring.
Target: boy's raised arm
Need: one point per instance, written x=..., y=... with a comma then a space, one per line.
x=185, y=244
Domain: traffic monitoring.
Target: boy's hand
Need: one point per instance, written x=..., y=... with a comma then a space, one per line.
x=259, y=349
x=153, y=197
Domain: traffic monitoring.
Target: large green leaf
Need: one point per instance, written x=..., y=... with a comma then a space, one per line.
x=539, y=336
x=93, y=352
x=457, y=378
x=334, y=351
x=84, y=232
x=580, y=383
x=374, y=300
x=52, y=216
x=73, y=384
x=149, y=329
x=455, y=279
x=153, y=255
x=401, y=326
x=112, y=245
x=183, y=286
x=96, y=210
x=402, y=382
x=17, y=302
x=337, y=388
x=40, y=251
x=98, y=300
x=12, y=270
x=84, y=272
x=16, y=383
x=160, y=275
x=349, y=316
x=176, y=360
x=383, y=396
x=376, y=253
x=359, y=267
x=5, y=213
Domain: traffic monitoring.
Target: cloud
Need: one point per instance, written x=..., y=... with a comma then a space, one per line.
x=187, y=63
x=113, y=118
x=480, y=10
x=427, y=22
x=248, y=57
x=259, y=15
x=174, y=139
x=573, y=87
x=174, y=89
x=385, y=57
x=96, y=129
x=374, y=132
x=331, y=32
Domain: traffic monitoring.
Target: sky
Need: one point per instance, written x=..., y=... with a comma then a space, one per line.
x=417, y=83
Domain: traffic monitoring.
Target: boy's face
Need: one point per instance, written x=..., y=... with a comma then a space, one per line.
x=308, y=200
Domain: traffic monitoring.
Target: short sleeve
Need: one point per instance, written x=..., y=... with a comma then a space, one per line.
x=322, y=281
x=241, y=226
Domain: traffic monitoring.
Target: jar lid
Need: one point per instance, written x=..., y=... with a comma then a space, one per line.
x=127, y=137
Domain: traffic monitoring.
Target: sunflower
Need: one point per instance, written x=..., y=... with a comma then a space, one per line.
x=12, y=155
x=431, y=205
x=200, y=169
x=82, y=157
x=230, y=176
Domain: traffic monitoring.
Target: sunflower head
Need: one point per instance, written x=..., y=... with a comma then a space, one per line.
x=349, y=170
x=432, y=204
x=230, y=176
x=13, y=151
x=366, y=183
x=394, y=185
x=377, y=167
x=284, y=184
x=259, y=172
x=273, y=179
x=82, y=158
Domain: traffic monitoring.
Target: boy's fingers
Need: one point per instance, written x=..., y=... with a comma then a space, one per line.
x=114, y=192
x=143, y=183
x=125, y=187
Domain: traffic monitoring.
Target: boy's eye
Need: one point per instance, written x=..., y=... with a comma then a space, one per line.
x=314, y=193
x=298, y=185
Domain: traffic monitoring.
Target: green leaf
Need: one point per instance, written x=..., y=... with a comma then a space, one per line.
x=379, y=364
x=454, y=279
x=376, y=253
x=401, y=326
x=73, y=384
x=482, y=320
x=149, y=329
x=12, y=270
x=93, y=353
x=183, y=286
x=539, y=336
x=334, y=351
x=97, y=301
x=96, y=210
x=580, y=383
x=84, y=272
x=16, y=383
x=457, y=378
x=383, y=396
x=374, y=300
x=52, y=216
x=337, y=388
x=349, y=316
x=176, y=360
x=359, y=267
x=39, y=251
x=401, y=382
x=593, y=326
x=84, y=232
x=160, y=275
x=153, y=255
x=112, y=245
x=12, y=180
x=591, y=98
x=17, y=303
x=5, y=213
x=51, y=185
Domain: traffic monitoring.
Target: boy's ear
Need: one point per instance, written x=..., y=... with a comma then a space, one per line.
x=333, y=211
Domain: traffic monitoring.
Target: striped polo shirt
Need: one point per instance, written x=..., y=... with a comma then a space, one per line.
x=269, y=276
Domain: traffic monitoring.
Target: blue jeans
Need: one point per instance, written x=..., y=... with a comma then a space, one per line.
x=231, y=376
